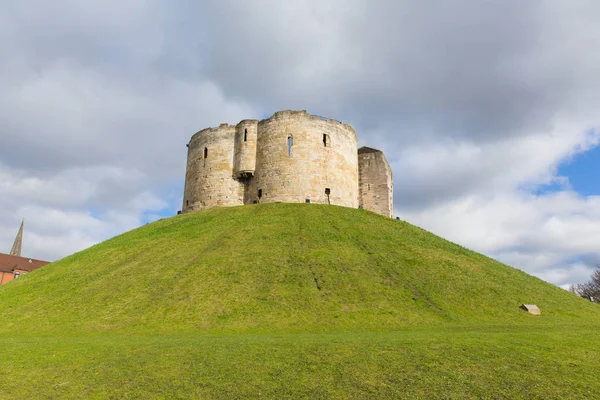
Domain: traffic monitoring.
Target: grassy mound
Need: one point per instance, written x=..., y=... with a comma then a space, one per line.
x=277, y=268
x=290, y=301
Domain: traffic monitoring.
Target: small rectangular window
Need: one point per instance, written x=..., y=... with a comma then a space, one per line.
x=245, y=135
x=259, y=193
x=308, y=200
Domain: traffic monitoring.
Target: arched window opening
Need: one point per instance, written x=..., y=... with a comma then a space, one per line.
x=245, y=135
x=326, y=142
x=290, y=142
x=259, y=193
x=187, y=203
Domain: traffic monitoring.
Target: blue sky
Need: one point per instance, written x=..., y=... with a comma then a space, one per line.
x=583, y=172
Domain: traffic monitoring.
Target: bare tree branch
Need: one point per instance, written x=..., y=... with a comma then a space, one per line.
x=591, y=289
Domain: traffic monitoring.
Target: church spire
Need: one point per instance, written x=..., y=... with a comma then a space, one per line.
x=16, y=249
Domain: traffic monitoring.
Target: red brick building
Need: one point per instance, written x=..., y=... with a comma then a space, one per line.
x=13, y=265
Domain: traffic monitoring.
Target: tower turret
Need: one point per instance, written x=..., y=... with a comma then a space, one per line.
x=305, y=158
x=376, y=182
x=244, y=162
x=209, y=180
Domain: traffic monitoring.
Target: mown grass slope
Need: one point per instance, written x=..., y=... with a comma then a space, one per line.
x=441, y=363
x=277, y=268
x=290, y=301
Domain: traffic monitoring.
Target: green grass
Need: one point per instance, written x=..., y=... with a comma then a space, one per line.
x=291, y=301
x=443, y=363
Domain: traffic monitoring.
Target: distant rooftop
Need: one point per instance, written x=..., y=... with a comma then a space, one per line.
x=10, y=263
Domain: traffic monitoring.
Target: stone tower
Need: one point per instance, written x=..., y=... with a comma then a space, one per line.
x=376, y=183
x=16, y=249
x=290, y=157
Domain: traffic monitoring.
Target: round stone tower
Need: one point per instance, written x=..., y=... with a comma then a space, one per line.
x=244, y=161
x=208, y=181
x=291, y=157
x=304, y=158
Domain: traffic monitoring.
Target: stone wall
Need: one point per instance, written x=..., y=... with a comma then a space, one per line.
x=321, y=155
x=376, y=183
x=244, y=162
x=290, y=157
x=209, y=181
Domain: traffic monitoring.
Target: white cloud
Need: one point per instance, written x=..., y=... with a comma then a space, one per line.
x=536, y=233
x=476, y=106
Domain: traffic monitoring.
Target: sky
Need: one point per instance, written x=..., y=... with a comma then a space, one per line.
x=487, y=112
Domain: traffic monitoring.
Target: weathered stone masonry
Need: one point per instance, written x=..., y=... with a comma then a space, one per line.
x=291, y=157
x=376, y=184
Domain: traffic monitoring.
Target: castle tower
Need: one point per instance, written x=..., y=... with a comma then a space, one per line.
x=244, y=161
x=291, y=157
x=209, y=181
x=304, y=158
x=16, y=249
x=376, y=182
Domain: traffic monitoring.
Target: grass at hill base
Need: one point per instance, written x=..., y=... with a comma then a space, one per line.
x=435, y=364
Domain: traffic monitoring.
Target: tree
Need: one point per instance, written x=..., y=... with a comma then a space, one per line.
x=590, y=289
